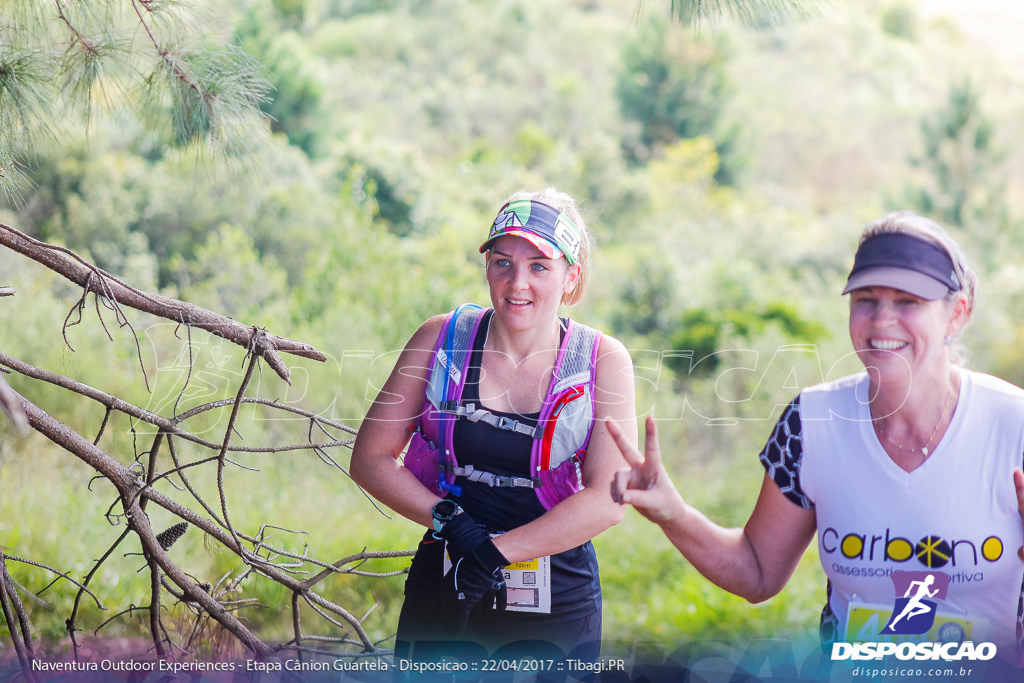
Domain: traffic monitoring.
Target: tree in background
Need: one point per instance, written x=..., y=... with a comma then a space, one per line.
x=902, y=20
x=160, y=59
x=757, y=13
x=960, y=157
x=273, y=34
x=963, y=185
x=676, y=86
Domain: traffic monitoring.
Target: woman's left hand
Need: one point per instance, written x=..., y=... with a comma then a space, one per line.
x=1018, y=483
x=475, y=581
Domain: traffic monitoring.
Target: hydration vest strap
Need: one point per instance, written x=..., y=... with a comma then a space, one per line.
x=474, y=414
x=492, y=479
x=452, y=374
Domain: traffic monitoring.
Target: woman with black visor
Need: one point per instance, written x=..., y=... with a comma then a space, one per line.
x=908, y=472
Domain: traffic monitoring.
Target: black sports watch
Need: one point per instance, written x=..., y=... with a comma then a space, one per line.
x=444, y=511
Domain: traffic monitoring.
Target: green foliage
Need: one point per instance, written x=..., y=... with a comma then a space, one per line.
x=227, y=275
x=647, y=298
x=901, y=20
x=216, y=98
x=347, y=9
x=962, y=173
x=92, y=203
x=703, y=333
x=961, y=158
x=756, y=13
x=294, y=105
x=405, y=124
x=676, y=85
x=24, y=91
x=162, y=59
x=291, y=12
x=102, y=197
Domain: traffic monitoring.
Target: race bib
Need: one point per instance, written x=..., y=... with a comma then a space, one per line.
x=865, y=622
x=528, y=584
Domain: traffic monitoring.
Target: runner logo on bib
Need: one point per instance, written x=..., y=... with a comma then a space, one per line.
x=917, y=594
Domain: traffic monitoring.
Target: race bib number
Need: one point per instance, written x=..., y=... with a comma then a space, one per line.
x=529, y=585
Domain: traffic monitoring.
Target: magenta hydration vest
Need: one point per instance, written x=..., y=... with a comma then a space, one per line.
x=563, y=428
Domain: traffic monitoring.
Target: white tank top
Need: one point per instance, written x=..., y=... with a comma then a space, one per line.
x=956, y=514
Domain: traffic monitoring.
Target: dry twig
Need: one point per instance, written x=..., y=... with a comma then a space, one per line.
x=136, y=485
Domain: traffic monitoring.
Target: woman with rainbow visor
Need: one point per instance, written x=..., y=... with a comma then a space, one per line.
x=500, y=413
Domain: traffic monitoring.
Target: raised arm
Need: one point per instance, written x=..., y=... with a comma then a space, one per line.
x=754, y=562
x=385, y=431
x=586, y=514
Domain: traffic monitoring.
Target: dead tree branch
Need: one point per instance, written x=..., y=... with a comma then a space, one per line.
x=12, y=408
x=17, y=620
x=128, y=487
x=140, y=481
x=92, y=279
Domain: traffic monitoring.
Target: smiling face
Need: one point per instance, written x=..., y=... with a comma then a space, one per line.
x=901, y=335
x=526, y=286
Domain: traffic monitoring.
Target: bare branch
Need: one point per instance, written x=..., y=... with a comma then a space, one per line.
x=168, y=425
x=12, y=409
x=248, y=557
x=127, y=485
x=365, y=555
x=204, y=605
x=70, y=622
x=103, y=425
x=58, y=573
x=71, y=266
x=297, y=623
x=130, y=487
x=179, y=470
x=356, y=625
x=155, y=627
x=17, y=621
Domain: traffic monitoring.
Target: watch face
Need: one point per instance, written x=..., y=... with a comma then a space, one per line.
x=445, y=510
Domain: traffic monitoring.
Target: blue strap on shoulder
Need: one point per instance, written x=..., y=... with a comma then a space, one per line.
x=449, y=351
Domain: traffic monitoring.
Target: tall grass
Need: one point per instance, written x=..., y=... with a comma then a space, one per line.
x=53, y=512
x=651, y=594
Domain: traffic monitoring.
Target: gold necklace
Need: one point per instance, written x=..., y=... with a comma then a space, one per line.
x=924, y=448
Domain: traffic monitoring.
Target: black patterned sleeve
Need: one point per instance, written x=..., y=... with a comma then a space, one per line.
x=781, y=455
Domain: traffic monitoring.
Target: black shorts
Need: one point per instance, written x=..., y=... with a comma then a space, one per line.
x=490, y=634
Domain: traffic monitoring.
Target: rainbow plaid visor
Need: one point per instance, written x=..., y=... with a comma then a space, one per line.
x=544, y=226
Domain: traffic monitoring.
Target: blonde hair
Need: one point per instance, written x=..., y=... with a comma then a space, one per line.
x=567, y=205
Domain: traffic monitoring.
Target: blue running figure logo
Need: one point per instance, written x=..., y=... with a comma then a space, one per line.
x=914, y=612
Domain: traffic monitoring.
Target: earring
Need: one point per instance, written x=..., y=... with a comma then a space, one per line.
x=948, y=339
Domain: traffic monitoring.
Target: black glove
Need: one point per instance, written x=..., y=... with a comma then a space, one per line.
x=475, y=581
x=463, y=535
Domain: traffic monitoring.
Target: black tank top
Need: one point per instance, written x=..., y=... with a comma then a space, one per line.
x=576, y=588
